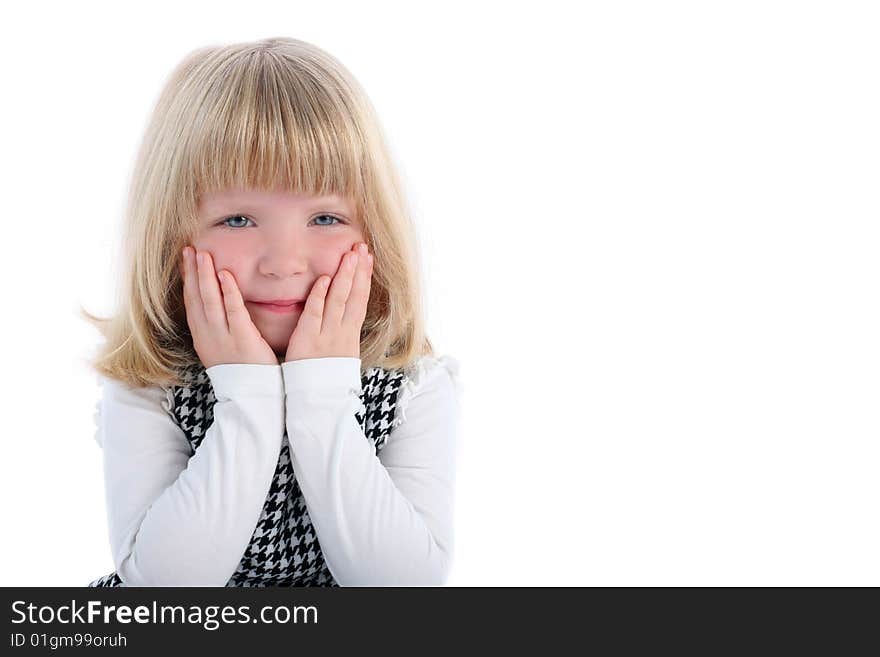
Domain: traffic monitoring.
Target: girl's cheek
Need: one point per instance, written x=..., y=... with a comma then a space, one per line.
x=343, y=246
x=330, y=262
x=223, y=255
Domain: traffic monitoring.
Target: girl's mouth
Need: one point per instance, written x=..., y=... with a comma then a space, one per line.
x=275, y=308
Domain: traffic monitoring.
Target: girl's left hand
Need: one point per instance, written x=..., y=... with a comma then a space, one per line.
x=330, y=324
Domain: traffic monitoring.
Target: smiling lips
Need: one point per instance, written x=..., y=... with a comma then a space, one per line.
x=281, y=305
x=279, y=302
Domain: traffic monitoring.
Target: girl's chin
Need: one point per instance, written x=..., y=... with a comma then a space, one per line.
x=276, y=335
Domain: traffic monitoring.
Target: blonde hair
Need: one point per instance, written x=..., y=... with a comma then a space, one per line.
x=272, y=113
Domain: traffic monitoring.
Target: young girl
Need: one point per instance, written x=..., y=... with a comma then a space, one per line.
x=305, y=442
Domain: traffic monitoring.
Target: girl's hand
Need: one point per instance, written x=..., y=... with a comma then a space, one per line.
x=330, y=323
x=219, y=322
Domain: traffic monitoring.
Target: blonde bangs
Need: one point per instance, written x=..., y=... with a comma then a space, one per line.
x=263, y=125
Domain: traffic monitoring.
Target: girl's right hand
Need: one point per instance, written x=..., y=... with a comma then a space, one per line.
x=220, y=324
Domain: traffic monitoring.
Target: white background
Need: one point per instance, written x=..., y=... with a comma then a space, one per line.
x=650, y=233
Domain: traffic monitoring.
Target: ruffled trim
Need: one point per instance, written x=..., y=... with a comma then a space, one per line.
x=416, y=374
x=96, y=417
x=168, y=403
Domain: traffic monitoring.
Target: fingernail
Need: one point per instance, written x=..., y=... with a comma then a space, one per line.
x=201, y=258
x=363, y=248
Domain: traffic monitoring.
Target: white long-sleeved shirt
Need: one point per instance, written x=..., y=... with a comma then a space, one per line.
x=183, y=518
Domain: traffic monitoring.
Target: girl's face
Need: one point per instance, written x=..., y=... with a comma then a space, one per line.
x=276, y=244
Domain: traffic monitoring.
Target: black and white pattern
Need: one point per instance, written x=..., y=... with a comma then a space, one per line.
x=284, y=549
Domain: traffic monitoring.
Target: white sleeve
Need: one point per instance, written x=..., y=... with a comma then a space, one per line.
x=383, y=520
x=181, y=519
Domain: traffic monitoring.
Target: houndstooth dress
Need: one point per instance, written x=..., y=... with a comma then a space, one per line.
x=284, y=548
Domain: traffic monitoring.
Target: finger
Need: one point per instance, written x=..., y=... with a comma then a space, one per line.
x=195, y=313
x=309, y=322
x=215, y=311
x=356, y=308
x=337, y=297
x=237, y=315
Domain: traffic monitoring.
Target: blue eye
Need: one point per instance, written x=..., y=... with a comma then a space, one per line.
x=328, y=216
x=234, y=217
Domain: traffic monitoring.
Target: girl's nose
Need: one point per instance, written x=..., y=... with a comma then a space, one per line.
x=279, y=269
x=283, y=260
